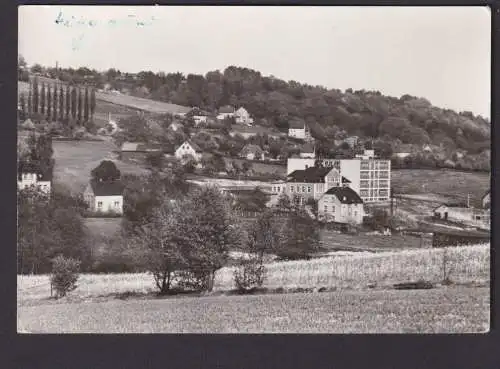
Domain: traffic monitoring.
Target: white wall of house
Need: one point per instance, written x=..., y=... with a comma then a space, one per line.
x=199, y=119
x=187, y=149
x=223, y=116
x=243, y=117
x=31, y=180
x=309, y=155
x=331, y=209
x=108, y=204
x=486, y=200
x=402, y=155
x=297, y=133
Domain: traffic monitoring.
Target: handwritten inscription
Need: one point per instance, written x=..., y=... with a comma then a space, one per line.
x=131, y=19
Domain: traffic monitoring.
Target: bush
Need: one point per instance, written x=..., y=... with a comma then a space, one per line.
x=64, y=275
x=249, y=275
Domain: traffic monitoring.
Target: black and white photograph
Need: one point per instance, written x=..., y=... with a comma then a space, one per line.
x=253, y=169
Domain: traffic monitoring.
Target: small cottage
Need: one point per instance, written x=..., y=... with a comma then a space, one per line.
x=243, y=117
x=189, y=149
x=104, y=196
x=227, y=111
x=252, y=152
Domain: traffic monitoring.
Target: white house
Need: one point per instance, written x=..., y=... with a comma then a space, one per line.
x=104, y=196
x=366, y=155
x=175, y=126
x=226, y=112
x=243, y=117
x=352, y=141
x=341, y=205
x=252, y=152
x=200, y=119
x=189, y=148
x=463, y=214
x=299, y=129
x=34, y=179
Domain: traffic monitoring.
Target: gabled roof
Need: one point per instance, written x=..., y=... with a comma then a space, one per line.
x=345, y=180
x=193, y=145
x=309, y=175
x=345, y=195
x=32, y=168
x=307, y=148
x=296, y=124
x=486, y=194
x=107, y=188
x=251, y=149
x=226, y=109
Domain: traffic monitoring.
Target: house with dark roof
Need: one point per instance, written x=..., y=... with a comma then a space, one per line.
x=104, y=196
x=299, y=129
x=341, y=205
x=138, y=150
x=243, y=116
x=313, y=182
x=307, y=151
x=252, y=152
x=189, y=149
x=227, y=111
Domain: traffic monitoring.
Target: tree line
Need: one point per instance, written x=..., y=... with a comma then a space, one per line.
x=57, y=103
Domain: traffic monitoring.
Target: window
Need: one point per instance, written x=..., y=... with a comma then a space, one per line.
x=363, y=184
x=355, y=213
x=333, y=208
x=364, y=174
x=384, y=175
x=309, y=189
x=363, y=193
x=117, y=204
x=326, y=208
x=99, y=204
x=383, y=193
x=303, y=189
x=291, y=188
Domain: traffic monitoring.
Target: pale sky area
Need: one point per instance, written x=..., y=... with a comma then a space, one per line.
x=440, y=53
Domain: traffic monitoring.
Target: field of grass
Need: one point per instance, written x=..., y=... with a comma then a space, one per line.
x=442, y=310
x=74, y=161
x=461, y=265
x=452, y=184
x=339, y=241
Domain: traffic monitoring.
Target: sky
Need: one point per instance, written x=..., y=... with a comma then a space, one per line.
x=439, y=53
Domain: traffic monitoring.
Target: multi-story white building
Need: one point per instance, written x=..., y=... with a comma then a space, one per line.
x=300, y=130
x=27, y=180
x=370, y=178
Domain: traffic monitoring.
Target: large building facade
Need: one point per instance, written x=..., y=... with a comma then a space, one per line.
x=370, y=178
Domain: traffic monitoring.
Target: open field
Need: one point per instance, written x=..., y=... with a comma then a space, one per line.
x=442, y=310
x=462, y=265
x=339, y=241
x=74, y=161
x=260, y=167
x=451, y=184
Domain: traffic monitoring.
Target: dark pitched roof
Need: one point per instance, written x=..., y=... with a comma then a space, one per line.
x=106, y=188
x=296, y=124
x=309, y=175
x=345, y=195
x=250, y=148
x=31, y=167
x=226, y=109
x=194, y=146
x=307, y=148
x=345, y=180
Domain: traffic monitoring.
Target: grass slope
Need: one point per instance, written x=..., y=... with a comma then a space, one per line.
x=444, y=310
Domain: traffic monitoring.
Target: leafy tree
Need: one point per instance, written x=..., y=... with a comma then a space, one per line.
x=64, y=275
x=22, y=102
x=42, y=99
x=68, y=102
x=264, y=236
x=299, y=236
x=106, y=171
x=55, y=102
x=30, y=100
x=36, y=68
x=283, y=205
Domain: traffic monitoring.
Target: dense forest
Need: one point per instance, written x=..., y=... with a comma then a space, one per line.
x=275, y=103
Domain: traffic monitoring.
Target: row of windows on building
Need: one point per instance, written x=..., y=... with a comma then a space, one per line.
x=373, y=183
x=302, y=189
x=373, y=193
x=116, y=204
x=374, y=164
x=364, y=174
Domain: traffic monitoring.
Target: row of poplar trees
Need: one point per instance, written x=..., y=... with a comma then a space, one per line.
x=58, y=102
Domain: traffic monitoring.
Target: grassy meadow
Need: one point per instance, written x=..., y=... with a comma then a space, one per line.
x=460, y=265
x=74, y=161
x=442, y=310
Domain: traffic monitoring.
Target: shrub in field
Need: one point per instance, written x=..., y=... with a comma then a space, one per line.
x=64, y=275
x=249, y=275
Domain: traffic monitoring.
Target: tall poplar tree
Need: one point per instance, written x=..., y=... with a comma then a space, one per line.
x=86, y=105
x=36, y=95
x=68, y=101
x=22, y=102
x=49, y=104
x=54, y=106
x=79, y=106
x=30, y=105
x=61, y=104
x=42, y=99
x=73, y=103
x=92, y=103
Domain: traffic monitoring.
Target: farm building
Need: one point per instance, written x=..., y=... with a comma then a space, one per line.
x=252, y=152
x=243, y=117
x=189, y=148
x=341, y=205
x=447, y=238
x=227, y=111
x=104, y=196
x=30, y=176
x=352, y=141
x=462, y=214
x=308, y=151
x=299, y=129
x=138, y=150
